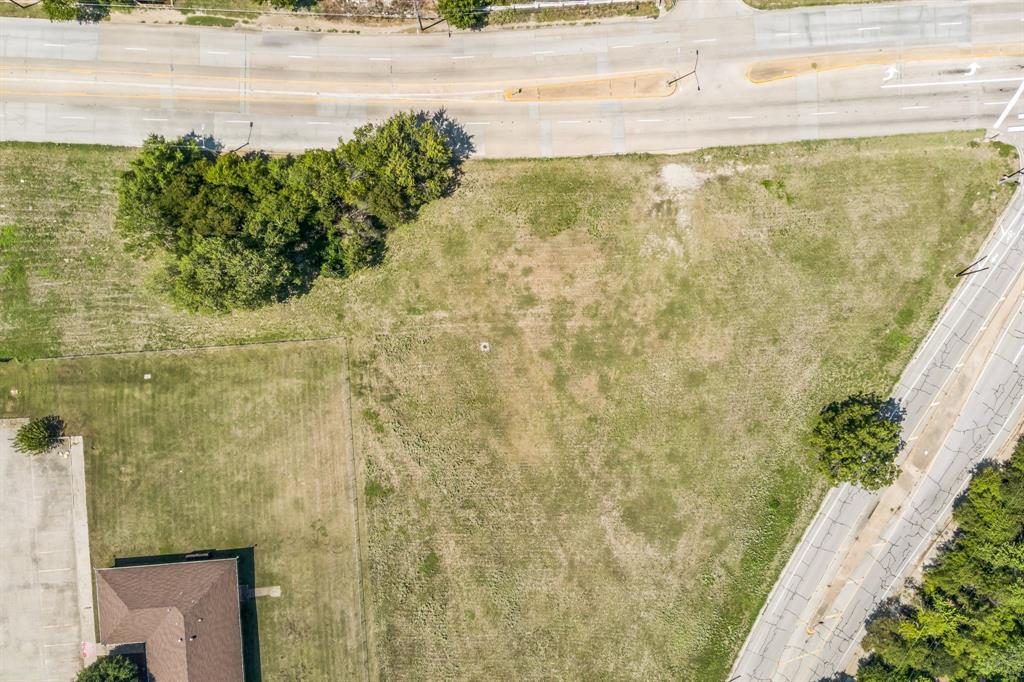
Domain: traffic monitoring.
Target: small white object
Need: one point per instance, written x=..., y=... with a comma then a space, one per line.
x=147, y=376
x=485, y=347
x=14, y=392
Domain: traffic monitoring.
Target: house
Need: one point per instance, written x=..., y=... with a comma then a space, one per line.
x=183, y=615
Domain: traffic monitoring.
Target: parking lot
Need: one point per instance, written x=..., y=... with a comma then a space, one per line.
x=45, y=578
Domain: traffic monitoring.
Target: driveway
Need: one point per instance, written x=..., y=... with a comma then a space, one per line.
x=45, y=588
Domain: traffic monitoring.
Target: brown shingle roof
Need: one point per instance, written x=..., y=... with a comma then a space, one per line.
x=187, y=613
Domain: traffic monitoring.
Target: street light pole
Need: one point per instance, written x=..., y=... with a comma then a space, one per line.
x=691, y=73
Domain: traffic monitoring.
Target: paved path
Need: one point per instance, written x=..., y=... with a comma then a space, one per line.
x=109, y=83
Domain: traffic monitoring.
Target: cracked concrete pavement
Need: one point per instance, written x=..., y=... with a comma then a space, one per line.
x=46, y=612
x=963, y=392
x=113, y=83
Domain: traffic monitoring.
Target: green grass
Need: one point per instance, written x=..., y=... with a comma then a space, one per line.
x=223, y=449
x=209, y=20
x=611, y=490
x=571, y=14
x=9, y=9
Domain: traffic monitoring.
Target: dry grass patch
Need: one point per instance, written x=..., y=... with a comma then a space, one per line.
x=223, y=449
x=611, y=490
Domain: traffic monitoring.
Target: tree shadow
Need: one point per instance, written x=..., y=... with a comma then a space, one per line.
x=458, y=140
x=892, y=410
x=839, y=677
x=205, y=142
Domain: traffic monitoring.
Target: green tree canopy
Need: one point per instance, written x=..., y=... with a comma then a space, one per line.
x=39, y=435
x=243, y=231
x=857, y=441
x=462, y=13
x=61, y=10
x=109, y=669
x=966, y=619
x=395, y=168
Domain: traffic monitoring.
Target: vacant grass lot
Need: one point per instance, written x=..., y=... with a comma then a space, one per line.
x=612, y=488
x=221, y=449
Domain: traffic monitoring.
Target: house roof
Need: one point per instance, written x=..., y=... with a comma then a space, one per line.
x=186, y=613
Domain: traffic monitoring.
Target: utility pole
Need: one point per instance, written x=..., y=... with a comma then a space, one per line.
x=419, y=21
x=691, y=73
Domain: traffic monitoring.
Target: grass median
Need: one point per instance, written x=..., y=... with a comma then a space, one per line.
x=580, y=386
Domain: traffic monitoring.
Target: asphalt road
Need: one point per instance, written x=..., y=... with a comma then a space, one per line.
x=963, y=393
x=114, y=83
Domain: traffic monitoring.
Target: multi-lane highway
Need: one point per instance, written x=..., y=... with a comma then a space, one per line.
x=114, y=83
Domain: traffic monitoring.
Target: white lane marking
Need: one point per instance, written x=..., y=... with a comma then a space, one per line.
x=739, y=118
x=785, y=35
x=256, y=91
x=993, y=104
x=870, y=28
x=970, y=81
x=621, y=47
x=53, y=570
x=380, y=59
x=950, y=23
x=649, y=120
x=53, y=44
x=300, y=56
x=316, y=123
x=137, y=49
x=1015, y=129
x=478, y=123
x=706, y=40
x=54, y=627
x=74, y=118
x=464, y=56
x=217, y=52
x=154, y=119
x=968, y=305
x=914, y=107
x=544, y=52
x=824, y=113
x=47, y=646
x=1019, y=116
x=1009, y=105
x=570, y=121
x=237, y=120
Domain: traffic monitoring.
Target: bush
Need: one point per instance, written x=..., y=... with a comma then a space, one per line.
x=60, y=10
x=109, y=669
x=243, y=231
x=462, y=13
x=857, y=443
x=39, y=435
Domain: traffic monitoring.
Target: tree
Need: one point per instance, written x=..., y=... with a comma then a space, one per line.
x=857, y=442
x=109, y=669
x=462, y=13
x=965, y=621
x=219, y=275
x=157, y=192
x=397, y=167
x=39, y=435
x=242, y=231
x=61, y=10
